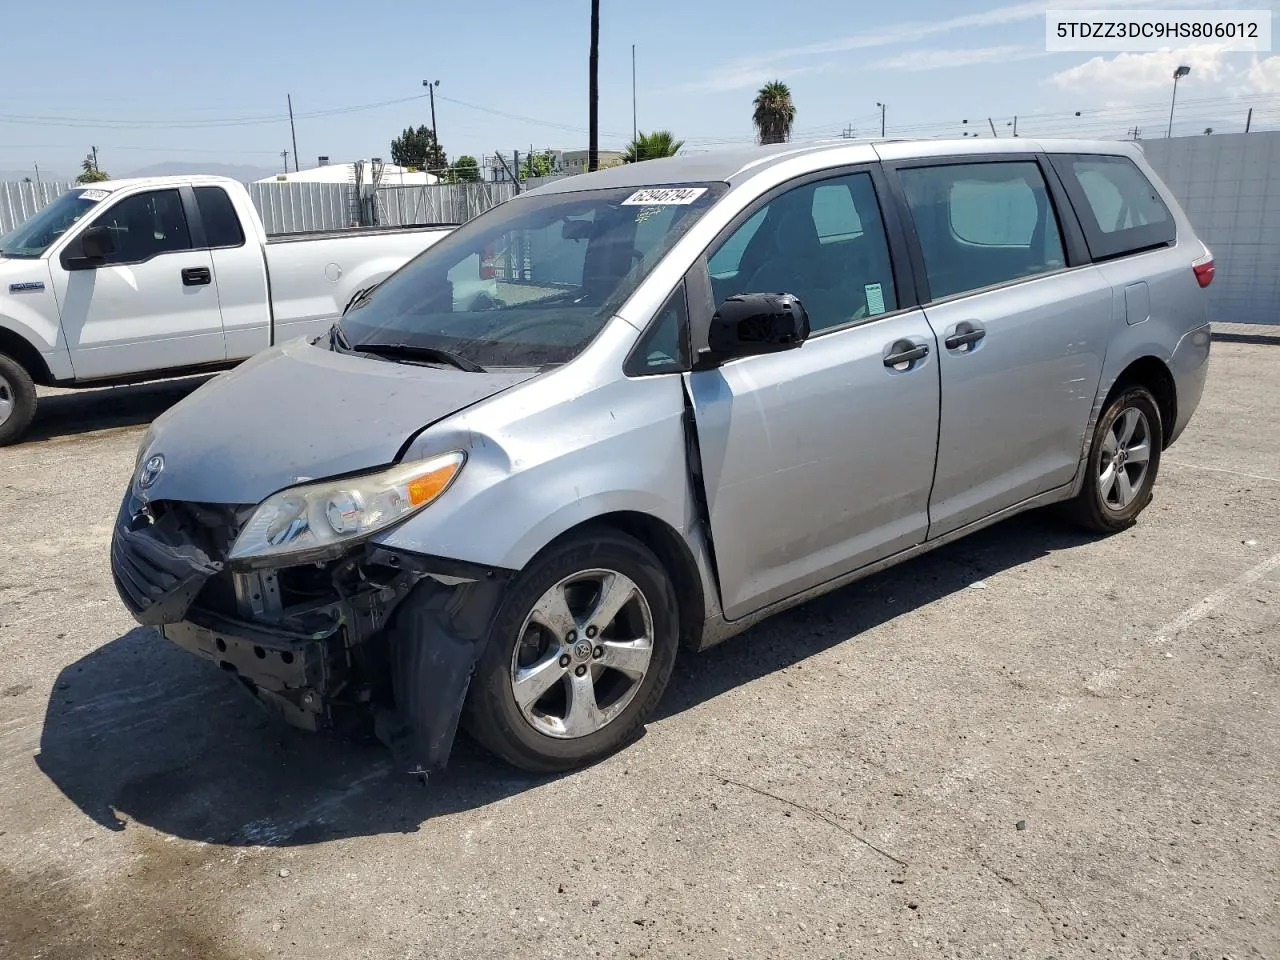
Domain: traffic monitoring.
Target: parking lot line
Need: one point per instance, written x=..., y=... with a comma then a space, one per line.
x=1233, y=473
x=1215, y=599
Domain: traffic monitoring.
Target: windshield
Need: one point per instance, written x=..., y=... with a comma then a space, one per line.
x=532, y=281
x=35, y=235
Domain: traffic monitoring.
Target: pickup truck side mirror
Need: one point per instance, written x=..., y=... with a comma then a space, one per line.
x=97, y=244
x=754, y=323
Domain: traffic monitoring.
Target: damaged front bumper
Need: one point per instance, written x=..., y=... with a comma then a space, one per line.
x=374, y=634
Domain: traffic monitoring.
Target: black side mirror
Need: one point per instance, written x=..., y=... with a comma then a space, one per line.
x=97, y=243
x=755, y=323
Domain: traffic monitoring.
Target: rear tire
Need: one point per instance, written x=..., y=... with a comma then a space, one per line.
x=17, y=400
x=578, y=655
x=1124, y=459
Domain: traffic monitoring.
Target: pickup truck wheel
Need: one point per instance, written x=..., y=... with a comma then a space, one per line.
x=1123, y=461
x=578, y=656
x=17, y=400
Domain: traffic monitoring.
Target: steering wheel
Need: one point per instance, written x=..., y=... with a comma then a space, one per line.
x=483, y=301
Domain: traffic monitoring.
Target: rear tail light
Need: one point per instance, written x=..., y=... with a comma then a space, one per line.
x=1204, y=270
x=488, y=270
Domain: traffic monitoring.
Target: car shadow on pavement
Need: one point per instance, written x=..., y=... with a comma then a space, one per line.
x=139, y=730
x=71, y=412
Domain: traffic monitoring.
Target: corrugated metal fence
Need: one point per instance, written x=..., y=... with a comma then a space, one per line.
x=304, y=207
x=1229, y=185
x=20, y=200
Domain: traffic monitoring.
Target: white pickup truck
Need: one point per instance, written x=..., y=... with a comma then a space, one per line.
x=133, y=280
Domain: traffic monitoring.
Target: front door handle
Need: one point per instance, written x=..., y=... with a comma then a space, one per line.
x=904, y=351
x=196, y=276
x=965, y=334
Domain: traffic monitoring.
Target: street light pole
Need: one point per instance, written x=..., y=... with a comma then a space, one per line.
x=1177, y=75
x=881, y=106
x=431, y=92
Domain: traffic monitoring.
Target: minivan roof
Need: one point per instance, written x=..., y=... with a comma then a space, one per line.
x=736, y=164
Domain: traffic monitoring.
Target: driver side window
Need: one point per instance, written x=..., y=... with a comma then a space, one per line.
x=146, y=225
x=823, y=242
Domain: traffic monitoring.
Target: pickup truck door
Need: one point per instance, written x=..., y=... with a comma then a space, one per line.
x=150, y=305
x=816, y=460
x=240, y=271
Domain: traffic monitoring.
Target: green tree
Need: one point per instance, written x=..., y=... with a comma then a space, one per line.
x=90, y=173
x=466, y=169
x=537, y=165
x=418, y=148
x=774, y=112
x=651, y=146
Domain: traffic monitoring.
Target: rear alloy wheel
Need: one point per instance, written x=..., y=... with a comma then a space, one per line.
x=579, y=655
x=17, y=400
x=1123, y=461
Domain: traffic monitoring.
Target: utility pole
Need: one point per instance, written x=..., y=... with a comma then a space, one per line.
x=634, y=134
x=37, y=166
x=993, y=128
x=1248, y=121
x=95, y=159
x=849, y=133
x=284, y=155
x=1015, y=124
x=431, y=92
x=294, y=134
x=881, y=106
x=593, y=123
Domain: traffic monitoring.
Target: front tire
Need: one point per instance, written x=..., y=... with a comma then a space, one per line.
x=17, y=400
x=1123, y=461
x=578, y=655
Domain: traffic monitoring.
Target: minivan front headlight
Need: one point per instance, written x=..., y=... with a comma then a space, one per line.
x=317, y=515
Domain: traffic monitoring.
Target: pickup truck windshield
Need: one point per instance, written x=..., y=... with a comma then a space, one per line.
x=35, y=235
x=532, y=281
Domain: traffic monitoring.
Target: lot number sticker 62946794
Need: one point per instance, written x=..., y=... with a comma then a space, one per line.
x=664, y=195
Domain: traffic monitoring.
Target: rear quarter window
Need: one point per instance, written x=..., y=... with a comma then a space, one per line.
x=1120, y=210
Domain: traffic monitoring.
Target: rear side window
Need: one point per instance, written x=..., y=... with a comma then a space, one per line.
x=221, y=225
x=1120, y=211
x=982, y=224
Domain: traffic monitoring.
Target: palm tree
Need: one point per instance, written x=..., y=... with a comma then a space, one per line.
x=651, y=146
x=774, y=113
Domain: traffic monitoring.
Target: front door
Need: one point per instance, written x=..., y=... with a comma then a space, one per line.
x=152, y=305
x=1022, y=335
x=817, y=460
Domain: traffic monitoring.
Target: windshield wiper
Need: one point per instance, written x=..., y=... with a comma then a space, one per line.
x=430, y=354
x=338, y=337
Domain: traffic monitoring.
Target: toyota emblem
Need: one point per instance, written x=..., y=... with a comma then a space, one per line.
x=150, y=471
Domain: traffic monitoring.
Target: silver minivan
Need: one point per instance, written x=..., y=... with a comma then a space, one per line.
x=644, y=408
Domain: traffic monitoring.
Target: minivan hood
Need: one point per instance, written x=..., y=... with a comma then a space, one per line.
x=298, y=412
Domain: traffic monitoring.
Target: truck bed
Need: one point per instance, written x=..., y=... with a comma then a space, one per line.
x=355, y=232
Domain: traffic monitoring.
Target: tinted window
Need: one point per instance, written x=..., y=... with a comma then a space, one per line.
x=1120, y=211
x=221, y=225
x=822, y=242
x=532, y=281
x=146, y=225
x=981, y=224
x=664, y=346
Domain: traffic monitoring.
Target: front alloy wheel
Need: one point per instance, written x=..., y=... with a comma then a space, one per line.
x=583, y=654
x=578, y=655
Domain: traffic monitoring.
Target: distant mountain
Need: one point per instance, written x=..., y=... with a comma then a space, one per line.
x=243, y=172
x=45, y=175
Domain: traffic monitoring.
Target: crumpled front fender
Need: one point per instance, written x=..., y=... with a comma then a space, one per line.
x=436, y=637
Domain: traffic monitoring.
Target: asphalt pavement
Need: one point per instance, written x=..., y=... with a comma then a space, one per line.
x=1031, y=743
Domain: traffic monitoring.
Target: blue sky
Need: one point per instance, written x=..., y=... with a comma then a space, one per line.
x=155, y=81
